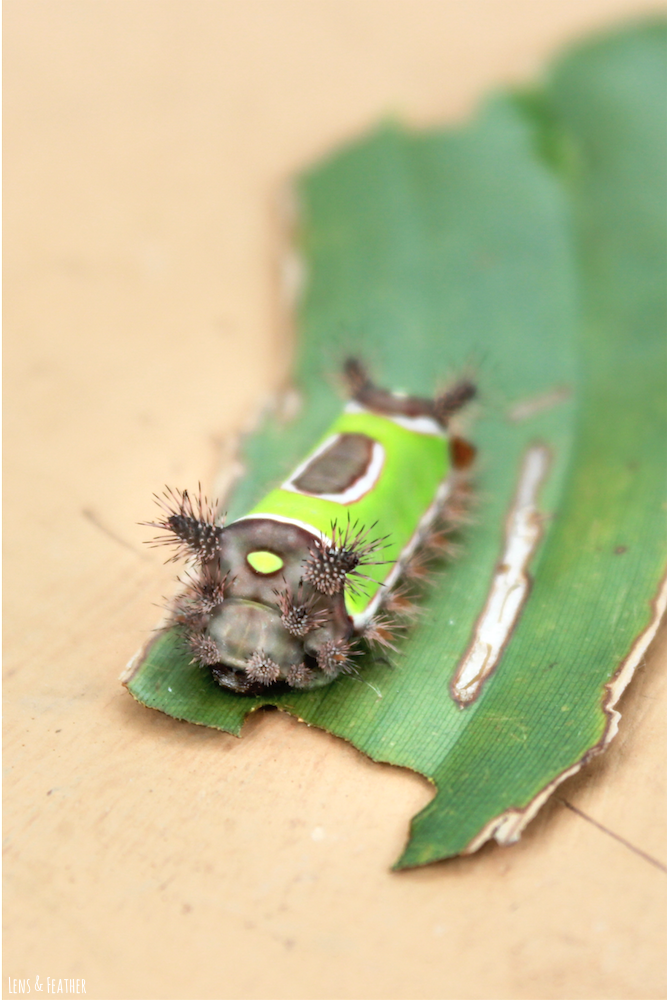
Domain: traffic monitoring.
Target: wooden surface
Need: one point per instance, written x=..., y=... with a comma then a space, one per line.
x=146, y=144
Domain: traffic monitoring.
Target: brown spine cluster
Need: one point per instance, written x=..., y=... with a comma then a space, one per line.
x=298, y=614
x=192, y=611
x=333, y=658
x=202, y=647
x=300, y=676
x=452, y=400
x=331, y=566
x=261, y=669
x=190, y=524
x=381, y=631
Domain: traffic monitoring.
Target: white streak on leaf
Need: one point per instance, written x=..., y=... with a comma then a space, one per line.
x=509, y=825
x=509, y=587
x=537, y=404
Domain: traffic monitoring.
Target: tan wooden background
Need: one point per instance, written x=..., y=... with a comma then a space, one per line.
x=146, y=143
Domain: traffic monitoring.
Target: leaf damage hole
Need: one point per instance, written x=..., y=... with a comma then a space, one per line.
x=510, y=583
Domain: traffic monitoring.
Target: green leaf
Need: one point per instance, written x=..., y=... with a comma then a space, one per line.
x=530, y=245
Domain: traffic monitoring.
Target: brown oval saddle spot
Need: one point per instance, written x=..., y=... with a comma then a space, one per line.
x=338, y=467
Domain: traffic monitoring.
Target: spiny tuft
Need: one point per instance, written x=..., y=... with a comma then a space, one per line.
x=300, y=676
x=453, y=399
x=329, y=564
x=207, y=590
x=190, y=524
x=194, y=606
x=401, y=602
x=381, y=631
x=203, y=649
x=356, y=376
x=419, y=567
x=333, y=657
x=439, y=542
x=298, y=615
x=262, y=669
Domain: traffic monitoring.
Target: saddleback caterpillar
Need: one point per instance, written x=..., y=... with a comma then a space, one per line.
x=290, y=592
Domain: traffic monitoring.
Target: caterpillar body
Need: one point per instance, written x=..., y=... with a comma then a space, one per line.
x=289, y=593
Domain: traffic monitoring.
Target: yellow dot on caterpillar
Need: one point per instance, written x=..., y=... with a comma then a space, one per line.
x=265, y=562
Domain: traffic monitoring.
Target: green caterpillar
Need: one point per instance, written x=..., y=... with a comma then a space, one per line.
x=287, y=593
